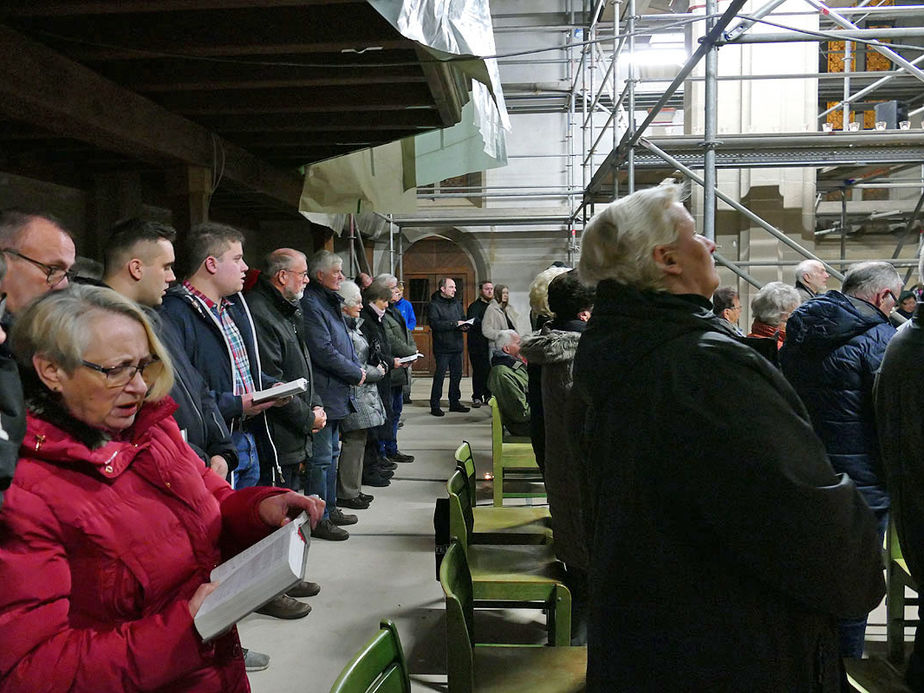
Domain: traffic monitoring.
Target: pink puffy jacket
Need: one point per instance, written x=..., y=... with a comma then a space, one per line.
x=100, y=551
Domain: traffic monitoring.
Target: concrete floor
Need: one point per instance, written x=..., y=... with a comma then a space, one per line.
x=385, y=569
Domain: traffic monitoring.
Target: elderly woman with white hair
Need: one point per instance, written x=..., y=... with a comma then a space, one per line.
x=112, y=524
x=723, y=547
x=771, y=307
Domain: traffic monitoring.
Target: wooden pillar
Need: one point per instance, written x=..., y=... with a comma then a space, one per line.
x=189, y=190
x=113, y=197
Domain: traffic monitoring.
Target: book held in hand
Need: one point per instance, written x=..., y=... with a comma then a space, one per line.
x=293, y=387
x=411, y=358
x=255, y=576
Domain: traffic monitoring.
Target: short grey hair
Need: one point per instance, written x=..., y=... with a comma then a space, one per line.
x=388, y=280
x=866, y=279
x=774, y=299
x=805, y=267
x=281, y=259
x=323, y=261
x=618, y=242
x=504, y=338
x=350, y=293
x=539, y=290
x=57, y=326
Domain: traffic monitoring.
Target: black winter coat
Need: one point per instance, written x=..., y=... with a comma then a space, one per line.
x=12, y=421
x=899, y=399
x=723, y=546
x=834, y=345
x=477, y=342
x=380, y=353
x=284, y=357
x=333, y=359
x=443, y=315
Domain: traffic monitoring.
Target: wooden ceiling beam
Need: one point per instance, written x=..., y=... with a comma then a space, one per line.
x=64, y=8
x=320, y=100
x=40, y=86
x=182, y=75
x=204, y=33
x=422, y=119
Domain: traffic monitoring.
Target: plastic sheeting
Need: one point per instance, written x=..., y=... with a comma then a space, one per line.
x=370, y=180
x=449, y=29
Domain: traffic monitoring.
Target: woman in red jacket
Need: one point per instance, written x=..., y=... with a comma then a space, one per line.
x=112, y=525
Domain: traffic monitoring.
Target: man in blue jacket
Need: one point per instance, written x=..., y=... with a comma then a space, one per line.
x=834, y=346
x=336, y=368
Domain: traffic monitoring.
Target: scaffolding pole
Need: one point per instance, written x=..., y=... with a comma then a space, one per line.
x=772, y=230
x=737, y=270
x=878, y=47
x=629, y=141
x=710, y=127
x=871, y=88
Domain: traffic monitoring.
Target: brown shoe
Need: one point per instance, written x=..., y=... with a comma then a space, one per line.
x=304, y=589
x=285, y=607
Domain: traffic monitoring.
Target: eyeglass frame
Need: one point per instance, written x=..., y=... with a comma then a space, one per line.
x=108, y=371
x=49, y=270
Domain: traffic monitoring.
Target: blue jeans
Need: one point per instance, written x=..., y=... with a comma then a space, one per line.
x=388, y=443
x=322, y=472
x=247, y=473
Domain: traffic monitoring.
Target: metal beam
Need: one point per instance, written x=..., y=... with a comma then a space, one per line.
x=630, y=138
x=879, y=48
x=40, y=86
x=802, y=37
x=772, y=230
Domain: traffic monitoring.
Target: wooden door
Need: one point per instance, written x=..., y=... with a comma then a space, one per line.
x=425, y=263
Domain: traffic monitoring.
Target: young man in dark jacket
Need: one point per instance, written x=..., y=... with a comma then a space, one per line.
x=478, y=348
x=138, y=263
x=447, y=323
x=336, y=368
x=217, y=333
x=723, y=546
x=834, y=345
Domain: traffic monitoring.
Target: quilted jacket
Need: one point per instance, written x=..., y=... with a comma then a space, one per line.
x=102, y=544
x=834, y=346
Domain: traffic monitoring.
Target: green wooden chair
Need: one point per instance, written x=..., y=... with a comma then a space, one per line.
x=504, y=525
x=514, y=461
x=897, y=579
x=527, y=574
x=499, y=669
x=379, y=667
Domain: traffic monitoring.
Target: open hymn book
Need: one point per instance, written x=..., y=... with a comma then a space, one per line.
x=254, y=577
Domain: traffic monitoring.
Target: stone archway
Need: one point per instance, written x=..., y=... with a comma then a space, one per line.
x=426, y=261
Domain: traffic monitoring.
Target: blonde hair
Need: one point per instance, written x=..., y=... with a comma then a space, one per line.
x=58, y=326
x=618, y=242
x=539, y=290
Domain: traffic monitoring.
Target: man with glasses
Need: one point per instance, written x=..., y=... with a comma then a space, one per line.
x=39, y=254
x=834, y=346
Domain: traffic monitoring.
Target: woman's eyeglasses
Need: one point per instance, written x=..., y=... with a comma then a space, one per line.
x=120, y=376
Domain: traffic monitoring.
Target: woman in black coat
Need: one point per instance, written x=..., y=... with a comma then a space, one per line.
x=723, y=547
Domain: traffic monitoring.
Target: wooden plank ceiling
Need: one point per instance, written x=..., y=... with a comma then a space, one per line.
x=251, y=88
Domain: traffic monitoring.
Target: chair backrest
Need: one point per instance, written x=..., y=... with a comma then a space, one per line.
x=456, y=581
x=497, y=432
x=892, y=543
x=379, y=667
x=461, y=518
x=466, y=462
